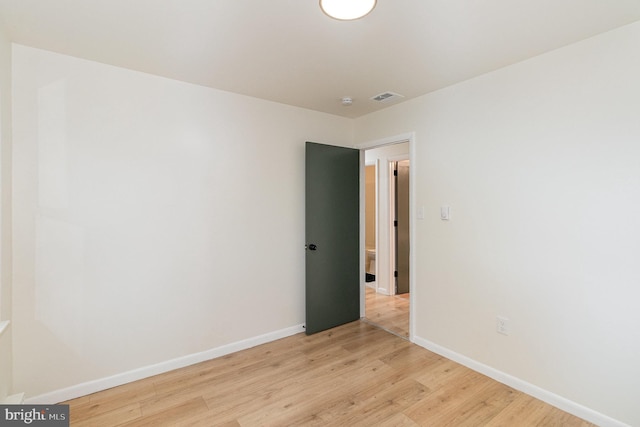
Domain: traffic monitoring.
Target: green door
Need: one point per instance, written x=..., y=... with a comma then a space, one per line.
x=332, y=236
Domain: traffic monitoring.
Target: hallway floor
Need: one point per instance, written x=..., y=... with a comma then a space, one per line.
x=388, y=312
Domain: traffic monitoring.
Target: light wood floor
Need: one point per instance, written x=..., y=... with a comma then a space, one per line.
x=388, y=312
x=353, y=375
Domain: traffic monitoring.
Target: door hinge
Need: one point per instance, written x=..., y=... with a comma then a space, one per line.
x=395, y=223
x=395, y=274
x=395, y=172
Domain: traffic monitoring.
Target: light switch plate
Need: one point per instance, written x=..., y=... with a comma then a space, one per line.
x=444, y=213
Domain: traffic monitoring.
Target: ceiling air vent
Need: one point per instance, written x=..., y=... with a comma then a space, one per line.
x=386, y=97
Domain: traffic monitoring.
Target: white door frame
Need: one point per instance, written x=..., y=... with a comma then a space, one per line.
x=397, y=139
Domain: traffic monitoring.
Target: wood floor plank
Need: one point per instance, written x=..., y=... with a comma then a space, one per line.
x=318, y=377
x=330, y=406
x=294, y=402
x=383, y=405
x=171, y=415
x=410, y=356
x=484, y=406
x=445, y=401
x=355, y=375
x=113, y=417
x=112, y=399
x=523, y=408
x=530, y=411
x=398, y=420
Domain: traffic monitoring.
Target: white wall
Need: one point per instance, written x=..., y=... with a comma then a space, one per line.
x=5, y=211
x=382, y=156
x=153, y=219
x=540, y=163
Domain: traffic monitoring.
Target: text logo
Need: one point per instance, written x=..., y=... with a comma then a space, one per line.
x=34, y=415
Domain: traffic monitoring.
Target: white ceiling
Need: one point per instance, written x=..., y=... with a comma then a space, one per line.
x=290, y=52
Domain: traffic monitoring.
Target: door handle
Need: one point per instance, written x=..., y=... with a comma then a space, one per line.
x=311, y=247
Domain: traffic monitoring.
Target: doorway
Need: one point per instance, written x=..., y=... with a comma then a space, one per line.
x=386, y=239
x=329, y=300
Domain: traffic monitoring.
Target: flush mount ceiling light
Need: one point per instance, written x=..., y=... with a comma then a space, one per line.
x=347, y=10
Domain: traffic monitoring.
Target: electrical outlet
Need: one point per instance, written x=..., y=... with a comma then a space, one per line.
x=502, y=325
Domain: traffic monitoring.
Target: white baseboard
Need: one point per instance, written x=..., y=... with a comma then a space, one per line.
x=383, y=291
x=159, y=368
x=15, y=399
x=521, y=385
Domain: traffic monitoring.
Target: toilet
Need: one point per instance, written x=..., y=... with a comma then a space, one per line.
x=371, y=262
